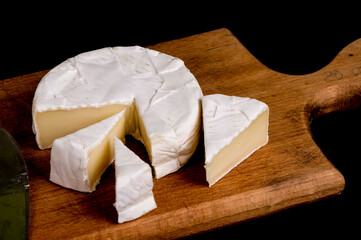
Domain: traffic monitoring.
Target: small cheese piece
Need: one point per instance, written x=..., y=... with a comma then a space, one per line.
x=234, y=128
x=94, y=85
x=79, y=159
x=133, y=185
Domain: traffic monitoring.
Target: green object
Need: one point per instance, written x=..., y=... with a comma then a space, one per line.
x=14, y=190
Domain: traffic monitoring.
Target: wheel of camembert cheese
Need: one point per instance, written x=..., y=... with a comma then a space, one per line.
x=160, y=97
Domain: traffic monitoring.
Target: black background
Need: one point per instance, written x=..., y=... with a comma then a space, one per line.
x=294, y=39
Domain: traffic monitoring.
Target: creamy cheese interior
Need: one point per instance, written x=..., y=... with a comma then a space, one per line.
x=102, y=155
x=248, y=141
x=59, y=123
x=92, y=145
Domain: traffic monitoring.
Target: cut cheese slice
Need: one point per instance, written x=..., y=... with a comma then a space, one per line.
x=234, y=128
x=133, y=186
x=79, y=159
x=95, y=85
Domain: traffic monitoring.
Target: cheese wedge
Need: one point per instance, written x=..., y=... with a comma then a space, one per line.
x=133, y=185
x=234, y=128
x=79, y=159
x=95, y=85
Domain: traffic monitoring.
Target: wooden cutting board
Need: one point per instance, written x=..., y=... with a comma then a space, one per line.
x=288, y=171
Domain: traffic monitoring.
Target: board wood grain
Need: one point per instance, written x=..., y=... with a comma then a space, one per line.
x=288, y=171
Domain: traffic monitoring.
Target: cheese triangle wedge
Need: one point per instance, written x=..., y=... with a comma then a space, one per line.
x=79, y=159
x=234, y=128
x=133, y=186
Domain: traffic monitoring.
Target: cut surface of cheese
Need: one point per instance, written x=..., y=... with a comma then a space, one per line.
x=92, y=86
x=234, y=128
x=133, y=185
x=58, y=123
x=79, y=159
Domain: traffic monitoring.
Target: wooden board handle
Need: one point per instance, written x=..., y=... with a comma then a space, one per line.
x=331, y=99
x=343, y=91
